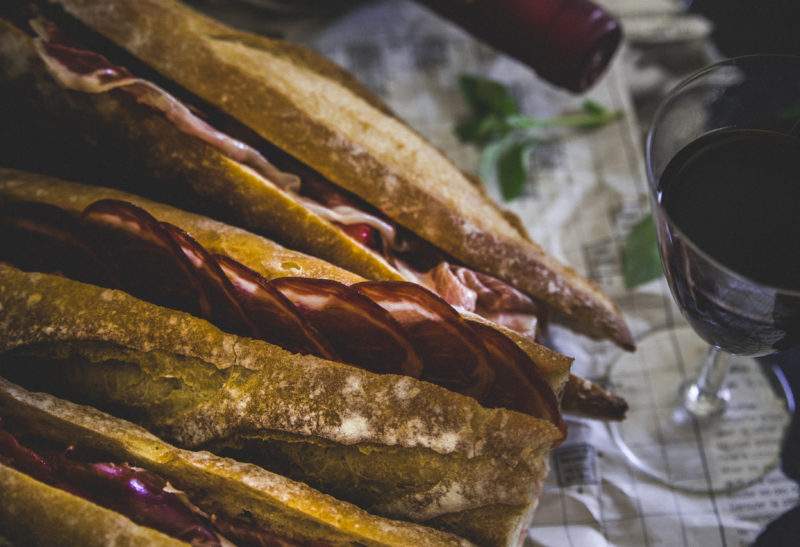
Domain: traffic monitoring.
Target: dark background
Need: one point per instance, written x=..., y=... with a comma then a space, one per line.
x=753, y=26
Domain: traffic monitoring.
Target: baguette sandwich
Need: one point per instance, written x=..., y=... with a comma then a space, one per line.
x=215, y=338
x=277, y=139
x=71, y=475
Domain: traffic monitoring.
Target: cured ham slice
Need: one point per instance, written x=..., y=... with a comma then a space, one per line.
x=44, y=238
x=151, y=265
x=276, y=319
x=227, y=311
x=452, y=357
x=76, y=67
x=361, y=331
x=518, y=384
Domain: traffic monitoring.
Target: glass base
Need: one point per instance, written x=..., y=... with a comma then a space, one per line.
x=727, y=451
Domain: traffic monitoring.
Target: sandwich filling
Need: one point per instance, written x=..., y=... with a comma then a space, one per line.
x=385, y=327
x=141, y=495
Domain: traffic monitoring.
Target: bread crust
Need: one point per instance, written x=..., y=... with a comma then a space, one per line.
x=187, y=171
x=298, y=101
x=224, y=390
x=275, y=502
x=586, y=398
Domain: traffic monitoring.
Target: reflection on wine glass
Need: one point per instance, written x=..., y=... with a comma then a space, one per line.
x=723, y=163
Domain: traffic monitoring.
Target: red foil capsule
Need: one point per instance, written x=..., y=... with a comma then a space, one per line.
x=567, y=42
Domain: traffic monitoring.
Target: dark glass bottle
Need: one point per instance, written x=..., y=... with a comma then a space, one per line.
x=567, y=42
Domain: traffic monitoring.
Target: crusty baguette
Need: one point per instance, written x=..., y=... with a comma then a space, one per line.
x=156, y=159
x=588, y=399
x=258, y=253
x=393, y=445
x=301, y=103
x=34, y=513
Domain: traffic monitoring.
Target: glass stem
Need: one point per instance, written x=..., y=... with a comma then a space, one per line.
x=704, y=397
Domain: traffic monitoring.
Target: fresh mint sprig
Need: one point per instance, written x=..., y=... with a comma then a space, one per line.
x=507, y=136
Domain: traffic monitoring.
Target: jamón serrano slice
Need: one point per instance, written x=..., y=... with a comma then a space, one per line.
x=226, y=310
x=452, y=356
x=44, y=238
x=362, y=332
x=518, y=384
x=276, y=319
x=151, y=264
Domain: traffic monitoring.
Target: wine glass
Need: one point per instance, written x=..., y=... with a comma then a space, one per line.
x=723, y=166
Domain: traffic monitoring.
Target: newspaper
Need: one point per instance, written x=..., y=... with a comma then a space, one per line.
x=585, y=191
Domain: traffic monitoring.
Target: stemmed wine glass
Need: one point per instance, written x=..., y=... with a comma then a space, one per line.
x=723, y=166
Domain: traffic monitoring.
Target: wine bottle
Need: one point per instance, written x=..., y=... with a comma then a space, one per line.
x=567, y=42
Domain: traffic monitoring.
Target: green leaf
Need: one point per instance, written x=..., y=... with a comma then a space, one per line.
x=641, y=259
x=507, y=135
x=513, y=164
x=486, y=96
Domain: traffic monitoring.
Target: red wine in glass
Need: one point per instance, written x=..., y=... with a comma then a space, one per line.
x=730, y=238
x=723, y=164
